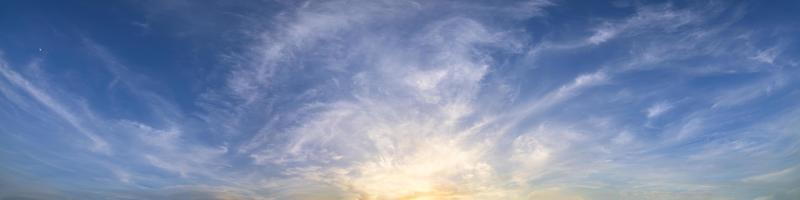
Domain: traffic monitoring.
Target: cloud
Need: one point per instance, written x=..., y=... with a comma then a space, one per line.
x=162, y=143
x=136, y=142
x=602, y=35
x=98, y=143
x=379, y=147
x=552, y=98
x=750, y=91
x=404, y=107
x=649, y=18
x=657, y=109
x=772, y=176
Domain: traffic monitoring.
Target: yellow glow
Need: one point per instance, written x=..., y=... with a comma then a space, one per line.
x=438, y=169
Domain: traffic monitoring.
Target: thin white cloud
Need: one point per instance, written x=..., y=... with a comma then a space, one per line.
x=657, y=109
x=647, y=18
x=131, y=82
x=603, y=34
x=98, y=144
x=750, y=91
x=771, y=176
x=557, y=96
x=166, y=150
x=767, y=55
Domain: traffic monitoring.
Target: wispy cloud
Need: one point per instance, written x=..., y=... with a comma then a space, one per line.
x=657, y=109
x=650, y=18
x=98, y=144
x=772, y=176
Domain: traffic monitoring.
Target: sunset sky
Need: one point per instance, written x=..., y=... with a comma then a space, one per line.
x=400, y=99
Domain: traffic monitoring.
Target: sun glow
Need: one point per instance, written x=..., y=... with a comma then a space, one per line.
x=437, y=169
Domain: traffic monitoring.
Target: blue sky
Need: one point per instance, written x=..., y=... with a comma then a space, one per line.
x=346, y=99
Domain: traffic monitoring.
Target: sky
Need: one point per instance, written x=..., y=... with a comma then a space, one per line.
x=400, y=99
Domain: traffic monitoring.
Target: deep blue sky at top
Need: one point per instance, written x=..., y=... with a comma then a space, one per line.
x=177, y=47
